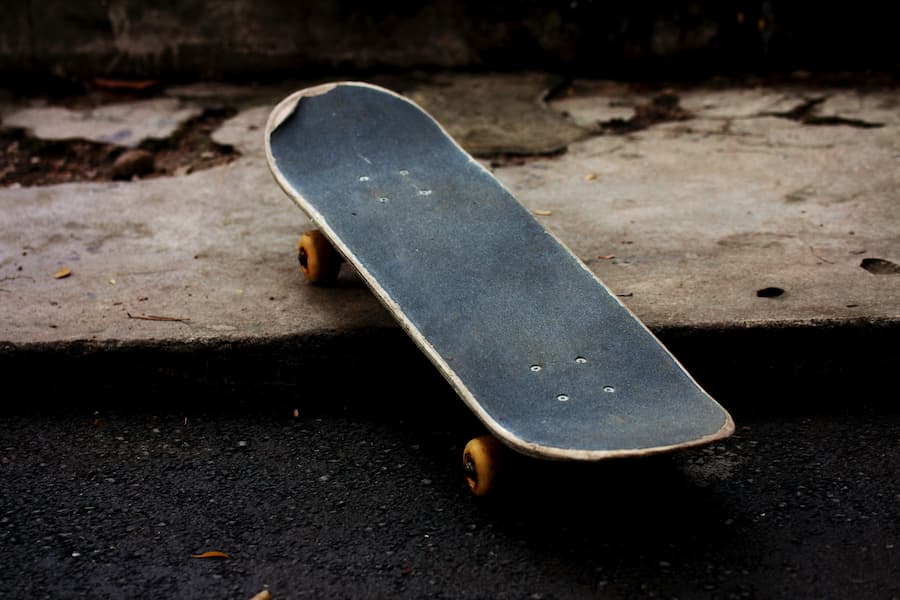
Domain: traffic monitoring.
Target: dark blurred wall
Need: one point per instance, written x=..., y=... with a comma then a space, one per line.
x=271, y=38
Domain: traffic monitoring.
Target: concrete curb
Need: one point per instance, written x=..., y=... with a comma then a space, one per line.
x=689, y=219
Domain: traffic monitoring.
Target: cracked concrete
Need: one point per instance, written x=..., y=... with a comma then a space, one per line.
x=685, y=220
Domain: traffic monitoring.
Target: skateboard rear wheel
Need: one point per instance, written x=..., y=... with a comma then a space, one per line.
x=481, y=462
x=319, y=261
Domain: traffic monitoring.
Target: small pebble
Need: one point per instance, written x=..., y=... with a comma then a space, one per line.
x=133, y=163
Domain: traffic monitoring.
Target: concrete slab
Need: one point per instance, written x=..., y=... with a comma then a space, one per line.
x=721, y=206
x=124, y=124
x=214, y=249
x=687, y=221
x=498, y=114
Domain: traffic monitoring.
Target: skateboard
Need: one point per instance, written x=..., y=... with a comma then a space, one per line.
x=550, y=361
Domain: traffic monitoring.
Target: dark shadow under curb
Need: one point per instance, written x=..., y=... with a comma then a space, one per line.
x=754, y=370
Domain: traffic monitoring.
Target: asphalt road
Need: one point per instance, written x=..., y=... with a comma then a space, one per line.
x=361, y=495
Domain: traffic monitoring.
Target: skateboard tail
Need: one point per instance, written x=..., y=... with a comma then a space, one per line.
x=725, y=431
x=555, y=453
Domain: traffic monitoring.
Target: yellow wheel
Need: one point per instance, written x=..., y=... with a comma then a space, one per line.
x=481, y=463
x=319, y=261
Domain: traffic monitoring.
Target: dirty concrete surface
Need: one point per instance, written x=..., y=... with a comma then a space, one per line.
x=762, y=217
x=690, y=221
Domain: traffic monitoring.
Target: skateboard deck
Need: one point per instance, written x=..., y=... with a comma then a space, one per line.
x=537, y=347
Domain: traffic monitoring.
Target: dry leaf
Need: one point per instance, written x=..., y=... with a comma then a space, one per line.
x=127, y=85
x=543, y=213
x=211, y=554
x=607, y=256
x=591, y=177
x=62, y=273
x=263, y=595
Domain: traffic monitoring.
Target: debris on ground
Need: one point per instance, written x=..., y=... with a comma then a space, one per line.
x=133, y=163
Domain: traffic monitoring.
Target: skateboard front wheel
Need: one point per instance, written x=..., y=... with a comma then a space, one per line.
x=319, y=261
x=481, y=462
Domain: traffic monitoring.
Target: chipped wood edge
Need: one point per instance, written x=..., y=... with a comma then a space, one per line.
x=287, y=106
